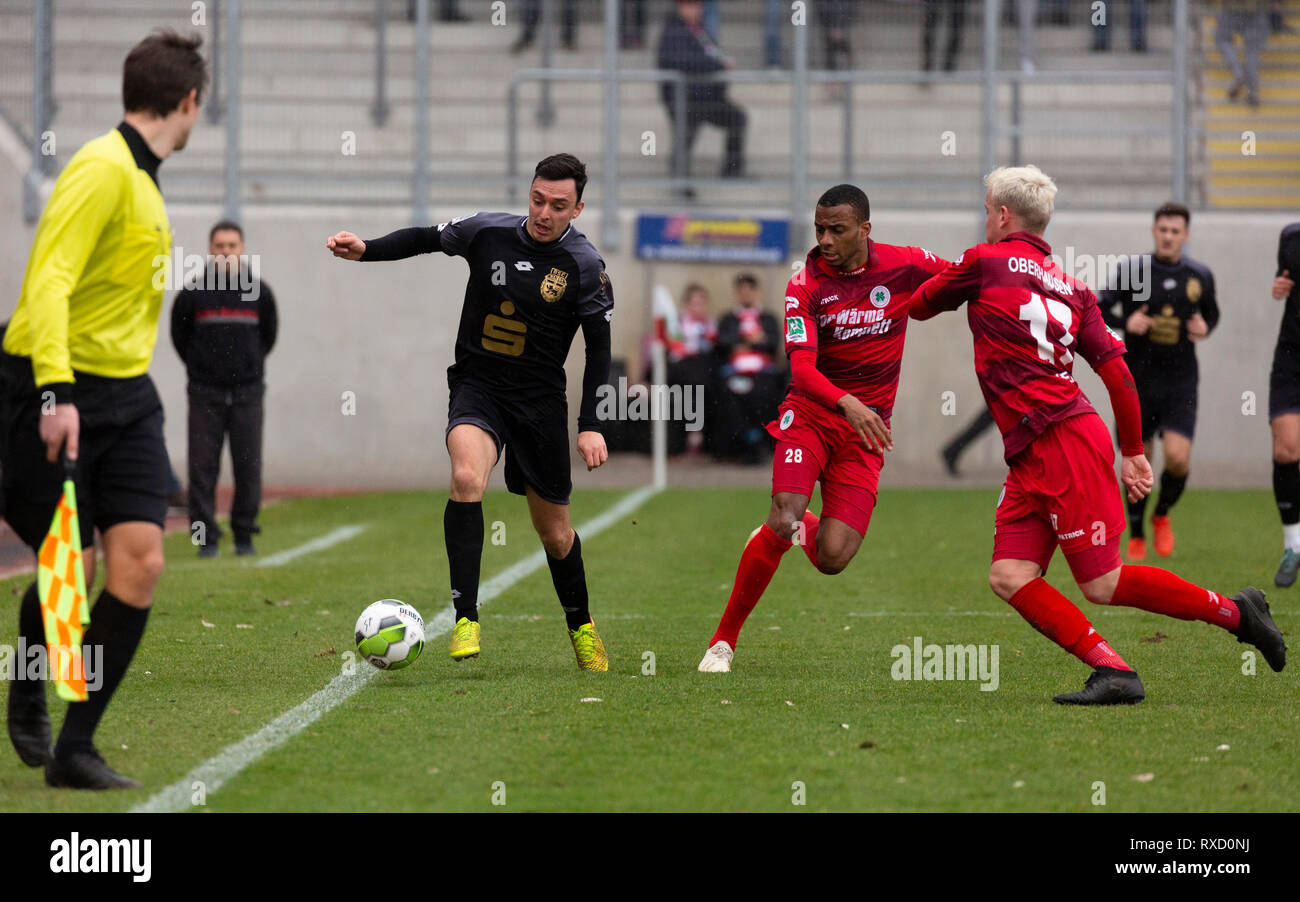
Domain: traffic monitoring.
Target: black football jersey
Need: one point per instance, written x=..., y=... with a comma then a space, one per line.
x=1172, y=293
x=523, y=302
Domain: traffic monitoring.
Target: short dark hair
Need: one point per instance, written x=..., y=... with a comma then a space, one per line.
x=1175, y=209
x=746, y=278
x=561, y=166
x=852, y=195
x=161, y=70
x=226, y=225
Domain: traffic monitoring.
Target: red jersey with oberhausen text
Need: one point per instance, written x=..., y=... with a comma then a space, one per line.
x=855, y=321
x=1029, y=320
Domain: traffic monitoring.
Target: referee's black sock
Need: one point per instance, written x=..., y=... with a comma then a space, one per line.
x=1137, y=510
x=462, y=528
x=114, y=634
x=570, y=580
x=32, y=630
x=1171, y=489
x=1286, y=491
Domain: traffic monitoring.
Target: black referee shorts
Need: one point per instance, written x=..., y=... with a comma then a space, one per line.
x=1284, y=380
x=1168, y=403
x=534, y=434
x=122, y=465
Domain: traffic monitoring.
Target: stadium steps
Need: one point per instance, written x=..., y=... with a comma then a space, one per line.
x=1270, y=177
x=308, y=77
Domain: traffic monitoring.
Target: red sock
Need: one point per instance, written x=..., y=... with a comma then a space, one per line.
x=1161, y=592
x=1057, y=618
x=810, y=524
x=758, y=562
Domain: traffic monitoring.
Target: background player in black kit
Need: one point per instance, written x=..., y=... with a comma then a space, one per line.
x=532, y=282
x=1164, y=302
x=1284, y=404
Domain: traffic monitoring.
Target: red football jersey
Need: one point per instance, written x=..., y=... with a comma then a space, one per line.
x=1029, y=320
x=855, y=322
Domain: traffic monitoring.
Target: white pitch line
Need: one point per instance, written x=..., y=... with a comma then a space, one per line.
x=214, y=772
x=333, y=537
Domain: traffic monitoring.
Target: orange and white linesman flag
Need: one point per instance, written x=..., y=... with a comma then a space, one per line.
x=61, y=582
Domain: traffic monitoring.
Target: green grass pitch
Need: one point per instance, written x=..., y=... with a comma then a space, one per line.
x=811, y=712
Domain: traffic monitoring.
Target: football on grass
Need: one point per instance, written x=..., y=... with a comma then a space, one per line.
x=390, y=634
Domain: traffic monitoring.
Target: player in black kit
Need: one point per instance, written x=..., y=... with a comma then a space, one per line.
x=533, y=281
x=1284, y=404
x=1164, y=302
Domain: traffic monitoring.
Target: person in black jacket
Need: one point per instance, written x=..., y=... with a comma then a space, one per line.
x=223, y=330
x=687, y=47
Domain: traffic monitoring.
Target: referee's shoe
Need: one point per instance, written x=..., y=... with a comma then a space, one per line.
x=84, y=769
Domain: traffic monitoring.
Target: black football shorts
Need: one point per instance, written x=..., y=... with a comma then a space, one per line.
x=534, y=434
x=122, y=466
x=1284, y=380
x=1168, y=403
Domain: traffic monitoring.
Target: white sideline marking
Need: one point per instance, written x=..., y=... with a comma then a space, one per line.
x=214, y=772
x=342, y=534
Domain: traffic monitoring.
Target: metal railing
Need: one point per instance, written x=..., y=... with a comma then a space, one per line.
x=1002, y=115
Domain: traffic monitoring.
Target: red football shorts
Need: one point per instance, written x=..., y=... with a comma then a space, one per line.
x=1062, y=489
x=815, y=443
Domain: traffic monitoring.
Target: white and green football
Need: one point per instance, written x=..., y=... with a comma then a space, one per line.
x=390, y=634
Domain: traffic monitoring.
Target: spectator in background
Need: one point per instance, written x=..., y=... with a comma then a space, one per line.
x=1026, y=13
x=1248, y=18
x=751, y=381
x=956, y=17
x=632, y=25
x=687, y=47
x=1137, y=27
x=774, y=19
x=1277, y=21
x=223, y=331
x=690, y=353
x=836, y=17
x=712, y=19
x=448, y=11
x=533, y=16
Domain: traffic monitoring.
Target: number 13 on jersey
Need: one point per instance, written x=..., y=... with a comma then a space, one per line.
x=1036, y=313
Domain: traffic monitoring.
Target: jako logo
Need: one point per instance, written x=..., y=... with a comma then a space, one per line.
x=103, y=856
x=946, y=662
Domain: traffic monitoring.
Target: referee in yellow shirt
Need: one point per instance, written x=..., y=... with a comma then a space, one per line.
x=74, y=380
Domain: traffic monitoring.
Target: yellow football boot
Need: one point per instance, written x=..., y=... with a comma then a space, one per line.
x=588, y=648
x=464, y=639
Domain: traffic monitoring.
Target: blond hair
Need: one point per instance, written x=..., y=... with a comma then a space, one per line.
x=1026, y=191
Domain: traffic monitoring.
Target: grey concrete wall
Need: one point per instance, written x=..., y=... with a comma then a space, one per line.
x=386, y=331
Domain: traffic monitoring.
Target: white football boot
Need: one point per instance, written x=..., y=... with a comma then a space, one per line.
x=718, y=658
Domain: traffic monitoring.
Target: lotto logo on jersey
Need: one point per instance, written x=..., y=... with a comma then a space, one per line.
x=795, y=333
x=880, y=296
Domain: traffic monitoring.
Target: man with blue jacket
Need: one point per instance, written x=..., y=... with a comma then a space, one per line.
x=687, y=46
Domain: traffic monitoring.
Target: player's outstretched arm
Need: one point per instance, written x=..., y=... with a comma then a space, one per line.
x=949, y=289
x=346, y=246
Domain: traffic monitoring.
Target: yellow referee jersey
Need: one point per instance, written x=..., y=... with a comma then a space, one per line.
x=94, y=281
